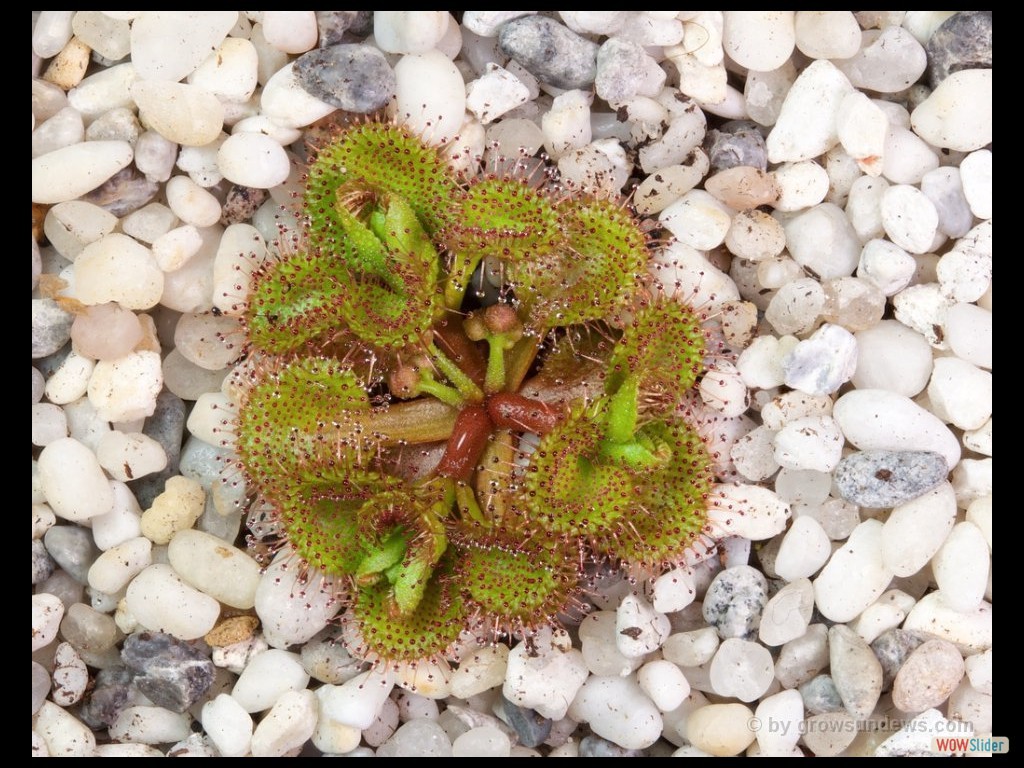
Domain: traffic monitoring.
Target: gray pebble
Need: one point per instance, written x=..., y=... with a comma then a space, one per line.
x=737, y=142
x=124, y=192
x=40, y=685
x=42, y=563
x=88, y=630
x=73, y=549
x=622, y=68
x=332, y=25
x=111, y=693
x=355, y=78
x=168, y=671
x=820, y=695
x=531, y=728
x=166, y=426
x=51, y=327
x=595, y=746
x=892, y=648
x=734, y=601
x=963, y=41
x=64, y=587
x=549, y=51
x=881, y=478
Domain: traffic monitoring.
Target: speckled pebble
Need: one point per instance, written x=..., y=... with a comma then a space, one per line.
x=734, y=602
x=550, y=51
x=963, y=41
x=595, y=746
x=737, y=142
x=42, y=563
x=51, y=327
x=171, y=673
x=111, y=693
x=356, y=78
x=883, y=479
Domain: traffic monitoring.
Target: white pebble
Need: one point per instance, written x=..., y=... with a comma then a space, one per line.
x=680, y=144
x=180, y=113
x=979, y=670
x=119, y=564
x=494, y=93
x=822, y=363
x=965, y=271
x=70, y=676
x=886, y=613
x=117, y=268
x=801, y=185
x=723, y=390
x=566, y=125
x=906, y=158
x=748, y=511
x=889, y=60
x=976, y=175
x=634, y=614
x=51, y=32
x=722, y=730
x=968, y=330
x=484, y=741
x=228, y=725
x=787, y=614
x=674, y=590
x=173, y=249
x=150, y=725
x=288, y=725
x=854, y=576
x=64, y=129
x=196, y=34
x=409, y=31
x=356, y=702
x=285, y=101
x=63, y=733
x=191, y=203
x=691, y=649
x=253, y=160
x=759, y=40
x=617, y=709
x=753, y=454
x=915, y=530
x=545, y=677
x=961, y=567
x=230, y=72
x=240, y=250
x=827, y=35
x=875, y=418
x=886, y=266
x=160, y=601
x=126, y=389
x=70, y=172
x=697, y=219
x=290, y=31
x=960, y=393
x=741, y=669
x=430, y=96
x=804, y=549
x=760, y=364
x=481, y=670
x=970, y=631
x=155, y=156
x=909, y=218
x=48, y=424
x=812, y=443
x=293, y=610
x=780, y=715
x=823, y=240
x=686, y=273
x=664, y=683
x=958, y=113
x=73, y=481
x=75, y=224
x=862, y=128
x=129, y=456
x=71, y=379
x=215, y=567
x=806, y=126
x=47, y=611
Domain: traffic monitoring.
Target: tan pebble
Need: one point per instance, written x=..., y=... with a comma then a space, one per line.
x=237, y=629
x=928, y=676
x=68, y=67
x=743, y=187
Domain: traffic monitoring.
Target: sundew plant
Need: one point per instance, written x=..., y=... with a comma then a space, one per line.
x=460, y=392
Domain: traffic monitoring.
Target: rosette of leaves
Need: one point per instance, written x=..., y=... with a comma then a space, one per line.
x=367, y=356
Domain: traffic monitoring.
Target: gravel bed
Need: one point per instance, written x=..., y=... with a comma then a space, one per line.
x=819, y=182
